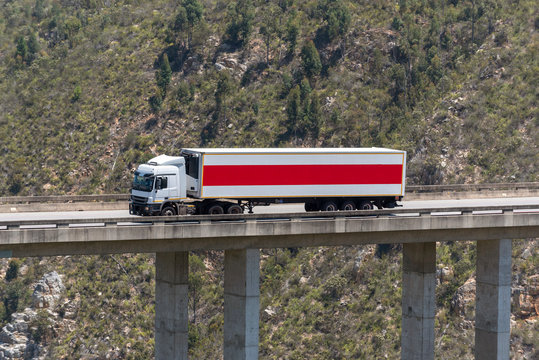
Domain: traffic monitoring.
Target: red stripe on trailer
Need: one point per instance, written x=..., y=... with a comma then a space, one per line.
x=253, y=175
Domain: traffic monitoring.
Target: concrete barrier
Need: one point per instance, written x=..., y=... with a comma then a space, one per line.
x=120, y=201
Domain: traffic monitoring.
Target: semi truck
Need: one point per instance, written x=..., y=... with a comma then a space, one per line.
x=231, y=181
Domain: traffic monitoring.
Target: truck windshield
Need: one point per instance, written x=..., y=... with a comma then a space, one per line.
x=143, y=182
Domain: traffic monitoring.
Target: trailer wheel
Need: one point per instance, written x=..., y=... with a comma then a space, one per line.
x=348, y=205
x=168, y=211
x=365, y=205
x=214, y=209
x=329, y=205
x=234, y=209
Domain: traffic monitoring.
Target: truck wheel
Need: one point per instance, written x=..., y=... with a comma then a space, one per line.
x=234, y=209
x=168, y=211
x=329, y=205
x=348, y=205
x=365, y=205
x=214, y=209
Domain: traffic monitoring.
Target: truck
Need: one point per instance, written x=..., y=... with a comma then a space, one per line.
x=233, y=180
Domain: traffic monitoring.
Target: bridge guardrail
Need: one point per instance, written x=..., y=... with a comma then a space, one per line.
x=472, y=187
x=63, y=198
x=411, y=190
x=310, y=216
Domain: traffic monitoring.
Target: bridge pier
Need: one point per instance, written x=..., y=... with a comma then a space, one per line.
x=171, y=301
x=418, y=301
x=493, y=299
x=242, y=304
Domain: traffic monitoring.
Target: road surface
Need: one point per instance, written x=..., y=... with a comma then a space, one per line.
x=274, y=208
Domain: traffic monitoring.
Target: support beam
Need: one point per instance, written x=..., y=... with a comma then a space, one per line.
x=493, y=300
x=171, y=279
x=242, y=304
x=418, y=301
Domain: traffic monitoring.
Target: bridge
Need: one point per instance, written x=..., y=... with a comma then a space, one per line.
x=242, y=237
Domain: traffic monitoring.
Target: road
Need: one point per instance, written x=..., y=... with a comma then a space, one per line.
x=275, y=208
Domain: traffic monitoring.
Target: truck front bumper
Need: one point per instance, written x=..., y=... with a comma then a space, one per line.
x=144, y=209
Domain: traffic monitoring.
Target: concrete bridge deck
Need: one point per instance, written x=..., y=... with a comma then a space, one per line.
x=241, y=236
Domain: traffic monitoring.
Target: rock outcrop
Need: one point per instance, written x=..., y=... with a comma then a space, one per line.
x=17, y=337
x=48, y=291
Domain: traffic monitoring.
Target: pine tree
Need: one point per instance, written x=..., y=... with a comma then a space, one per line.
x=240, y=27
x=310, y=60
x=292, y=34
x=195, y=13
x=33, y=47
x=22, y=49
x=164, y=75
x=224, y=88
x=293, y=110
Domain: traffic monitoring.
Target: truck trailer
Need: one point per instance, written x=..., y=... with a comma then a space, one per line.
x=217, y=181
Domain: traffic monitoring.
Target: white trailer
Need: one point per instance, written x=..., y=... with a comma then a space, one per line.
x=327, y=179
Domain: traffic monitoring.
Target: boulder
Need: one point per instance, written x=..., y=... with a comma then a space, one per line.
x=48, y=291
x=463, y=302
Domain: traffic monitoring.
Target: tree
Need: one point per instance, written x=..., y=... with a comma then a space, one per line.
x=33, y=45
x=156, y=101
x=13, y=270
x=190, y=13
x=224, y=88
x=163, y=75
x=293, y=109
x=337, y=18
x=310, y=60
x=22, y=49
x=180, y=22
x=314, y=115
x=240, y=26
x=269, y=29
x=196, y=280
x=473, y=11
x=185, y=92
x=39, y=10
x=77, y=92
x=292, y=34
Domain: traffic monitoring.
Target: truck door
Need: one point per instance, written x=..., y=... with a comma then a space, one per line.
x=162, y=191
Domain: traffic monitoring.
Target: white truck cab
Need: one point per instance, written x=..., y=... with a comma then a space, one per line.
x=158, y=185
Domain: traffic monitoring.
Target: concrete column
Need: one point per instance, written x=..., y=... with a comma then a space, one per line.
x=242, y=304
x=418, y=301
x=171, y=279
x=493, y=299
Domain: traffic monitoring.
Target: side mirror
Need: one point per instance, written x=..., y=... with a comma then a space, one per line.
x=158, y=184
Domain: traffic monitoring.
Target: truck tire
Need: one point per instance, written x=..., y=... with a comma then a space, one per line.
x=365, y=205
x=168, y=211
x=215, y=209
x=234, y=209
x=348, y=205
x=329, y=205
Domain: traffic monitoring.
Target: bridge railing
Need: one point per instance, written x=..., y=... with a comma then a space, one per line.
x=472, y=187
x=63, y=198
x=104, y=202
x=276, y=217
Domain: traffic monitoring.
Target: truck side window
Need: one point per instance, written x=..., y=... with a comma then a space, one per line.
x=161, y=183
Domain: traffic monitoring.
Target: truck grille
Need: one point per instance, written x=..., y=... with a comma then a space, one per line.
x=139, y=199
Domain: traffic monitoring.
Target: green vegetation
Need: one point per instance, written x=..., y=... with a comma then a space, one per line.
x=453, y=83
x=320, y=303
x=90, y=89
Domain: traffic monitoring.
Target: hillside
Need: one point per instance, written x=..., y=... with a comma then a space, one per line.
x=84, y=97
x=87, y=93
